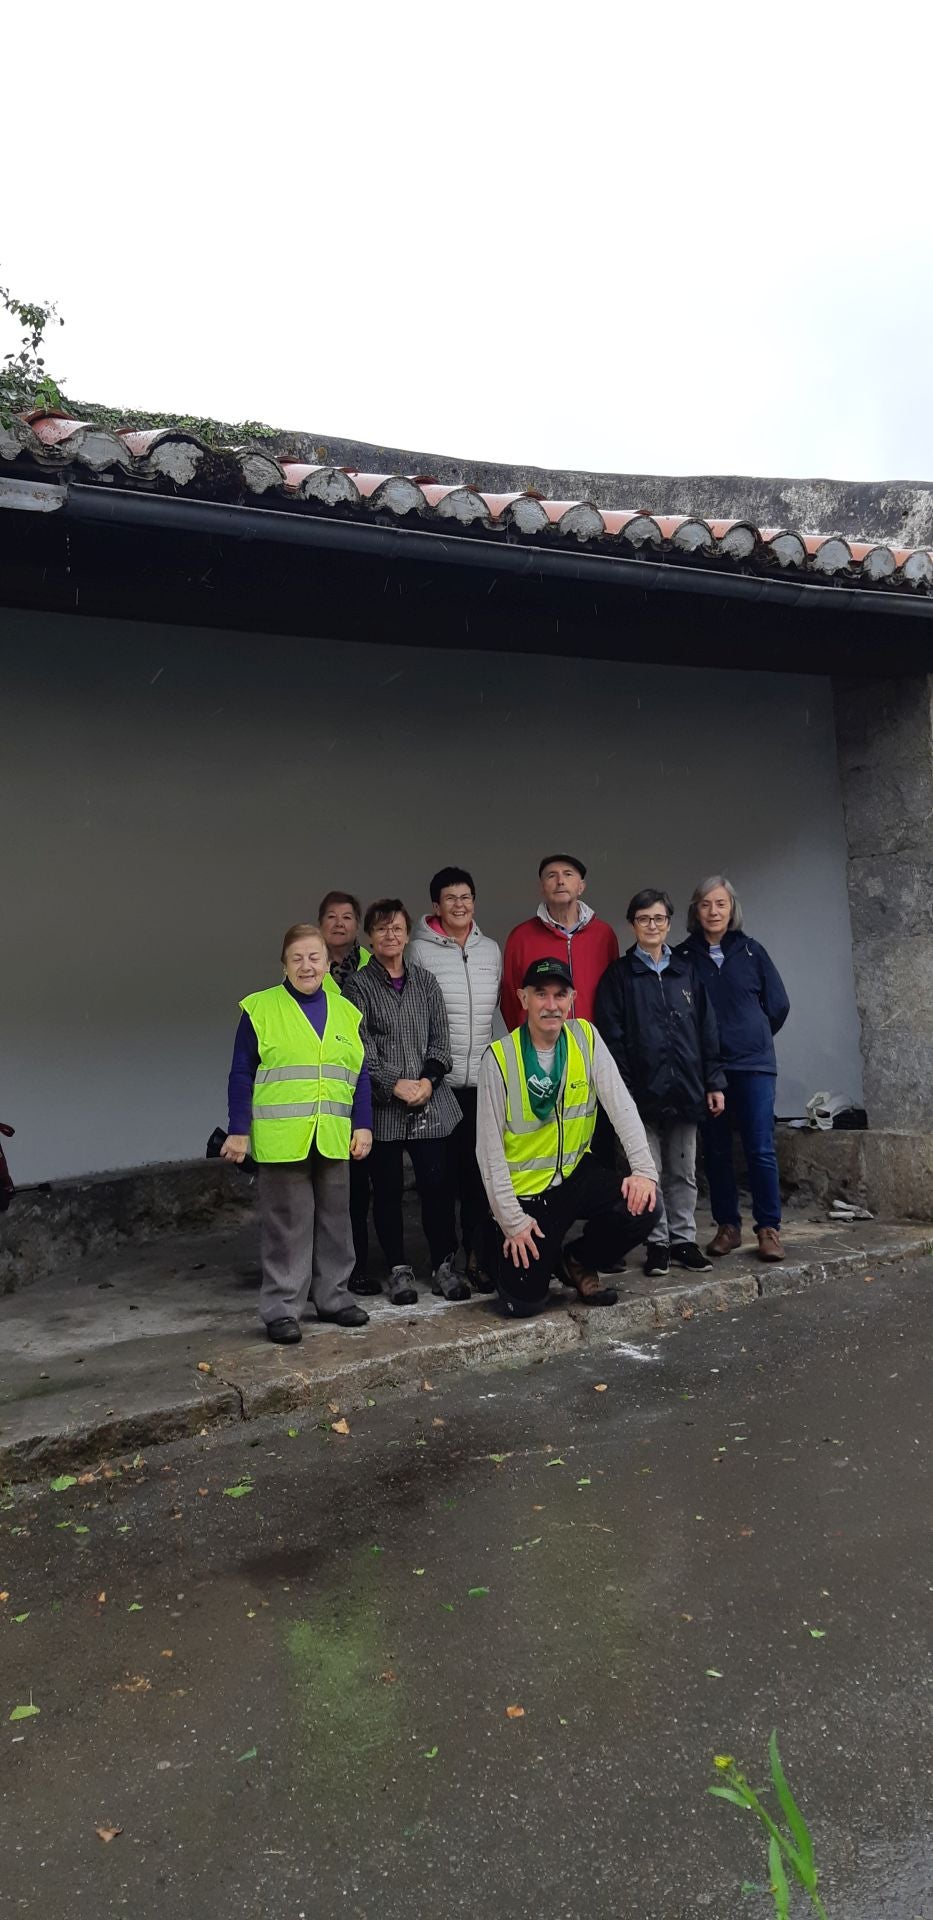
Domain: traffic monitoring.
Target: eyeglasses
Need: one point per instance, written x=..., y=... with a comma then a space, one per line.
x=652, y=919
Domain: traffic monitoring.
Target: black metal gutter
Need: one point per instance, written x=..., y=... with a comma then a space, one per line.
x=110, y=506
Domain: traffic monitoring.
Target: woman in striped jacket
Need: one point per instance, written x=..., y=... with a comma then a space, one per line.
x=407, y=1041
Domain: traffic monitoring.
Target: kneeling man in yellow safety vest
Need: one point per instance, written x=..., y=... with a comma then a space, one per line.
x=536, y=1114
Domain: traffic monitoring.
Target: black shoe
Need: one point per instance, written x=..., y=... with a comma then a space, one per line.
x=657, y=1260
x=446, y=1280
x=400, y=1287
x=360, y=1283
x=687, y=1254
x=479, y=1281
x=285, y=1332
x=346, y=1317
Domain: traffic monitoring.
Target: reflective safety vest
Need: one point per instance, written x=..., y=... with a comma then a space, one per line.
x=537, y=1150
x=304, y=1086
x=329, y=983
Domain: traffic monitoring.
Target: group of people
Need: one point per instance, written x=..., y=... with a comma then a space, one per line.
x=516, y=1083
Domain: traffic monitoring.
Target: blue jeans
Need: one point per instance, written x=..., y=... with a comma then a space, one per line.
x=750, y=1110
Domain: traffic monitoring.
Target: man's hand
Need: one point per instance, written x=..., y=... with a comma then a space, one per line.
x=361, y=1141
x=716, y=1102
x=235, y=1148
x=639, y=1193
x=522, y=1244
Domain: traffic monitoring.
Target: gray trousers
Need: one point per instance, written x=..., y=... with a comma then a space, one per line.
x=305, y=1238
x=674, y=1152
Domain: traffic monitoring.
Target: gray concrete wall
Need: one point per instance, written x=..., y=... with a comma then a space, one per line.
x=171, y=799
x=884, y=730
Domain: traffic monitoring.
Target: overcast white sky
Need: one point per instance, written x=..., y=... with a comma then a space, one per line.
x=632, y=239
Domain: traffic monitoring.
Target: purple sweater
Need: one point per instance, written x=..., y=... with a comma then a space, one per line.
x=246, y=1061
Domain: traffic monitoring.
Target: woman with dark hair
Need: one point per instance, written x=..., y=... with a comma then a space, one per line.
x=407, y=1040
x=299, y=1101
x=751, y=1005
x=655, y=1018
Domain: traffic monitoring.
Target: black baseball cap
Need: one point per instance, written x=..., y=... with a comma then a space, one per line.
x=563, y=860
x=541, y=971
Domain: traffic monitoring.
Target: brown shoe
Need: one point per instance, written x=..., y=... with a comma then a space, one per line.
x=725, y=1240
x=769, y=1244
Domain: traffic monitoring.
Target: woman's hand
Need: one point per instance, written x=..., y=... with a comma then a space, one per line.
x=235, y=1148
x=716, y=1103
x=361, y=1141
x=413, y=1093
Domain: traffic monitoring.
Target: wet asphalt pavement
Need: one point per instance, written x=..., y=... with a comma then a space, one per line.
x=294, y=1699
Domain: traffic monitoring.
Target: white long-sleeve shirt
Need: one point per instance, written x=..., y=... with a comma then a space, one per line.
x=613, y=1096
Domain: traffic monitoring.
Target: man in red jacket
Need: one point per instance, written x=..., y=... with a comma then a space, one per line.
x=563, y=927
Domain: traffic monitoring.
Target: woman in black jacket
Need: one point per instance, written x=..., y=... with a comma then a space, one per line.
x=656, y=1020
x=751, y=1006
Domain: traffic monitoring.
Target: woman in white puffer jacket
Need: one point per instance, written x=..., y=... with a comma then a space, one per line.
x=467, y=966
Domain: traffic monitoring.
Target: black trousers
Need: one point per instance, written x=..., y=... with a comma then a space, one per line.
x=359, y=1215
x=430, y=1160
x=592, y=1194
x=467, y=1180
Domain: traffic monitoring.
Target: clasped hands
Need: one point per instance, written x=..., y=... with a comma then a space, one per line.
x=413, y=1093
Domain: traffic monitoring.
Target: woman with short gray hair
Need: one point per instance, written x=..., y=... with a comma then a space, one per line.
x=751, y=1005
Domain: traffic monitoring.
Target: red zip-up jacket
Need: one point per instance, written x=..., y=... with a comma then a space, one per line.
x=588, y=952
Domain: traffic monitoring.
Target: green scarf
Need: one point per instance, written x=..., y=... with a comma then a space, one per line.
x=543, y=1088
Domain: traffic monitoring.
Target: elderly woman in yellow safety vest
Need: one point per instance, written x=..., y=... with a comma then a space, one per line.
x=300, y=1103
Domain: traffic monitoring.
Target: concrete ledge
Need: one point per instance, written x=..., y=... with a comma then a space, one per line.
x=50, y=1227
x=890, y=1173
x=141, y=1391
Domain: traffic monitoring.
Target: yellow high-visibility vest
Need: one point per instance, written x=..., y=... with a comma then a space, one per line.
x=536, y=1150
x=304, y=1086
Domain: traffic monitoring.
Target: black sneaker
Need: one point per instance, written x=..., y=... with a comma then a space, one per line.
x=446, y=1280
x=361, y=1283
x=657, y=1259
x=687, y=1254
x=401, y=1288
x=346, y=1317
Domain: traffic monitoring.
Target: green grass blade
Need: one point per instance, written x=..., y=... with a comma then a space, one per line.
x=805, y=1869
x=728, y=1793
x=779, y=1886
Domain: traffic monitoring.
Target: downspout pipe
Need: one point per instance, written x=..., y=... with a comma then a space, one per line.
x=116, y=507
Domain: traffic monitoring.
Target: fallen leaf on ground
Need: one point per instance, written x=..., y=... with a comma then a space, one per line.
x=869, y=1279
x=432, y=1753
x=687, y=1312
x=82, y=1529
x=25, y=1713
x=101, y=1598
x=497, y=1458
x=817, y=1633
x=377, y=1549
x=87, y=1479
x=108, y=1833
x=713, y=1673
x=167, y=1653
x=557, y=1462
x=18, y=1618
x=64, y=1480
x=584, y=1483
x=204, y=1366
x=448, y=1606
x=474, y=1592
x=537, y=1509
x=601, y=1388
x=339, y=1426
x=239, y=1491
x=4, y=1596
x=202, y=1491
x=388, y=1677
x=745, y=1533
x=515, y=1713
x=419, y=1570
x=437, y=1423
x=135, y=1606
x=293, y=1433
x=333, y=1406
x=250, y=1754
x=426, y=1386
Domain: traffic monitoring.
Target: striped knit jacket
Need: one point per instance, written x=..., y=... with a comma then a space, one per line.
x=400, y=1032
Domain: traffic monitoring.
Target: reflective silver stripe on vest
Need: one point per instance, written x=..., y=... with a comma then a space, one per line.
x=302, y=1110
x=265, y=1074
x=515, y=1080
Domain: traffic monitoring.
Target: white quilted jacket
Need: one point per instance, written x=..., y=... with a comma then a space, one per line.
x=469, y=978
